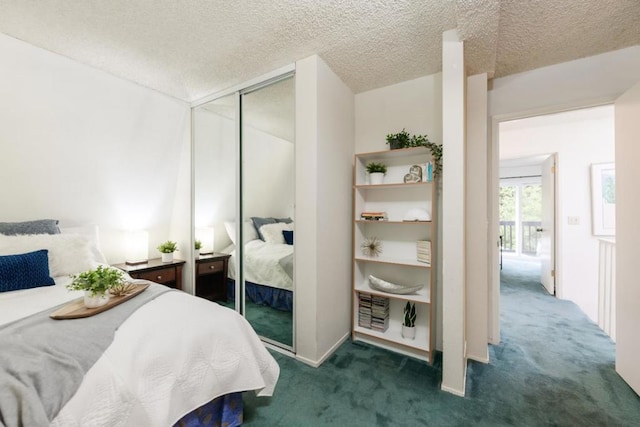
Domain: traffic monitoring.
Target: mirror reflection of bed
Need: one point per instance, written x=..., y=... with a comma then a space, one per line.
x=256, y=179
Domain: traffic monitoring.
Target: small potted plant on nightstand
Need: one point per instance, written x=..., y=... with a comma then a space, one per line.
x=96, y=284
x=167, y=249
x=409, y=322
x=376, y=172
x=197, y=245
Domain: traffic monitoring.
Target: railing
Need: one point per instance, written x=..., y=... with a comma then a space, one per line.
x=607, y=287
x=529, y=236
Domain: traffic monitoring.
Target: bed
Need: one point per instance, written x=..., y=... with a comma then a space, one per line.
x=268, y=262
x=174, y=360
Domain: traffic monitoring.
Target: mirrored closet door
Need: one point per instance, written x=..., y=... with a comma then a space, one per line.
x=244, y=173
x=268, y=178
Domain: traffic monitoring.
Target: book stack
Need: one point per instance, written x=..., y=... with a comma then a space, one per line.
x=379, y=313
x=423, y=249
x=374, y=216
x=364, y=310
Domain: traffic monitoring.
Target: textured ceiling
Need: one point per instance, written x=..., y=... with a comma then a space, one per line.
x=192, y=48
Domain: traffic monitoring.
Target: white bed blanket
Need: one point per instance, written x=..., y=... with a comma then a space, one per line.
x=262, y=264
x=171, y=356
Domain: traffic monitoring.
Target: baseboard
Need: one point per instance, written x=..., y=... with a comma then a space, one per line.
x=452, y=390
x=328, y=353
x=482, y=359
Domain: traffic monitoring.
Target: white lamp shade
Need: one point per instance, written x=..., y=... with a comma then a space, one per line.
x=206, y=237
x=137, y=247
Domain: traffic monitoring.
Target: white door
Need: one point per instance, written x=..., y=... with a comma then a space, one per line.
x=547, y=230
x=627, y=129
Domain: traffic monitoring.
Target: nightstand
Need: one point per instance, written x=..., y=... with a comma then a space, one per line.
x=211, y=276
x=166, y=273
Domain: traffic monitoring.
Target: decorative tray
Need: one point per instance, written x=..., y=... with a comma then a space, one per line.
x=76, y=309
x=392, y=288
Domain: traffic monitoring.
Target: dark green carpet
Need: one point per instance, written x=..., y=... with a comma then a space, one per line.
x=268, y=322
x=553, y=367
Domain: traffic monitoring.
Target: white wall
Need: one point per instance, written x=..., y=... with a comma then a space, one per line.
x=324, y=158
x=81, y=145
x=627, y=128
x=454, y=362
x=581, y=138
x=476, y=220
x=414, y=105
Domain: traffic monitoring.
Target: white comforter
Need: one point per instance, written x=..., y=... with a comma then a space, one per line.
x=262, y=263
x=171, y=356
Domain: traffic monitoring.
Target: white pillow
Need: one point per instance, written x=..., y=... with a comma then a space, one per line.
x=249, y=230
x=91, y=233
x=273, y=232
x=68, y=253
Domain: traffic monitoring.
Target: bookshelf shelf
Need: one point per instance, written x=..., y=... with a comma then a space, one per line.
x=398, y=262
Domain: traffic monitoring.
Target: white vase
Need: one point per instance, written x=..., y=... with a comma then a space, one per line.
x=376, y=178
x=196, y=253
x=93, y=301
x=409, y=332
x=167, y=257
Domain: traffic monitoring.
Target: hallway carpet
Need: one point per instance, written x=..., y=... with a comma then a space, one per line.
x=554, y=367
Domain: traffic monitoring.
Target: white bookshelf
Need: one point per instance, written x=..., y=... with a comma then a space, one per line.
x=398, y=261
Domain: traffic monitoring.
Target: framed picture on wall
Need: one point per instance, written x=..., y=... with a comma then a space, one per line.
x=603, y=199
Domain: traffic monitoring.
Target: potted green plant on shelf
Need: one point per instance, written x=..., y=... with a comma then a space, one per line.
x=376, y=172
x=96, y=284
x=409, y=322
x=197, y=245
x=167, y=249
x=404, y=140
x=398, y=140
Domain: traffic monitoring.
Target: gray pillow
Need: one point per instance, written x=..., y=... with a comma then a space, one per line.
x=40, y=226
x=259, y=222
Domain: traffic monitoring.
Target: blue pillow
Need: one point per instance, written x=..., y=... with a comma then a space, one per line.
x=40, y=226
x=25, y=271
x=288, y=236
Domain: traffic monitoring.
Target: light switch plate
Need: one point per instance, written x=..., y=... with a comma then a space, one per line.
x=573, y=220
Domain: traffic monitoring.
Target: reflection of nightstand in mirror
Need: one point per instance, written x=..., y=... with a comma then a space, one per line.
x=211, y=276
x=166, y=273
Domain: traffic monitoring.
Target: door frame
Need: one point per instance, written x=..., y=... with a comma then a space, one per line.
x=493, y=244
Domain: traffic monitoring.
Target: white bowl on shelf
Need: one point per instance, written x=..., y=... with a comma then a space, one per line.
x=392, y=288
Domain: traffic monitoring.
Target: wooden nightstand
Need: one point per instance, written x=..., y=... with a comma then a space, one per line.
x=211, y=276
x=166, y=273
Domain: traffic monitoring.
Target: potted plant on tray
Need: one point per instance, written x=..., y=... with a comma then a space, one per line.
x=409, y=322
x=96, y=284
x=376, y=172
x=197, y=245
x=167, y=249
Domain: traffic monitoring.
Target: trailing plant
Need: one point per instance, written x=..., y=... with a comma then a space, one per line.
x=197, y=244
x=97, y=281
x=374, y=167
x=168, y=247
x=409, y=315
x=407, y=141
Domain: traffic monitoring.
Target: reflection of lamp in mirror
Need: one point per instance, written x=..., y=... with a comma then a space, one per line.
x=137, y=248
x=205, y=235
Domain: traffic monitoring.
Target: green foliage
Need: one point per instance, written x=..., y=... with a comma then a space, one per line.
x=409, y=315
x=97, y=281
x=404, y=140
x=530, y=202
x=168, y=247
x=398, y=140
x=374, y=167
x=197, y=244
